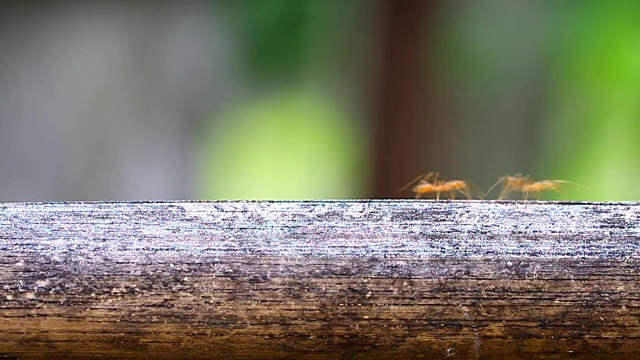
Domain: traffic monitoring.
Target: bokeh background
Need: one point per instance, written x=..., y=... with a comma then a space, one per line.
x=313, y=99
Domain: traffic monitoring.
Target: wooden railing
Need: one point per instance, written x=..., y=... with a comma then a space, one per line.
x=320, y=279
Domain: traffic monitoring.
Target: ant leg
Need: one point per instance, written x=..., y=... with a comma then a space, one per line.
x=465, y=192
x=491, y=188
x=469, y=195
x=472, y=190
x=507, y=189
x=437, y=195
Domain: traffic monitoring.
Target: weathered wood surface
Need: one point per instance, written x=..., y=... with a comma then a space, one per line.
x=334, y=279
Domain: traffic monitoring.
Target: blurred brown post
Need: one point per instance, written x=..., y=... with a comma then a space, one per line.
x=401, y=97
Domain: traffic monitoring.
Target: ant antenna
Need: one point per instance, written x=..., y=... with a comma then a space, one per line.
x=422, y=176
x=411, y=183
x=571, y=182
x=500, y=180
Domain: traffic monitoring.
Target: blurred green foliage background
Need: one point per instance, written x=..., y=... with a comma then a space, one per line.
x=296, y=99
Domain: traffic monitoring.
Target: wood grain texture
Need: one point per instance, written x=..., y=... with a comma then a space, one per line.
x=320, y=280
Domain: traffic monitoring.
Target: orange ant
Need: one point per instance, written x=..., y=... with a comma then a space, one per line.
x=425, y=186
x=510, y=183
x=525, y=184
x=539, y=186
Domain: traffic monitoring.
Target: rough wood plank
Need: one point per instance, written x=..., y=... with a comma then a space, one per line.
x=319, y=280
